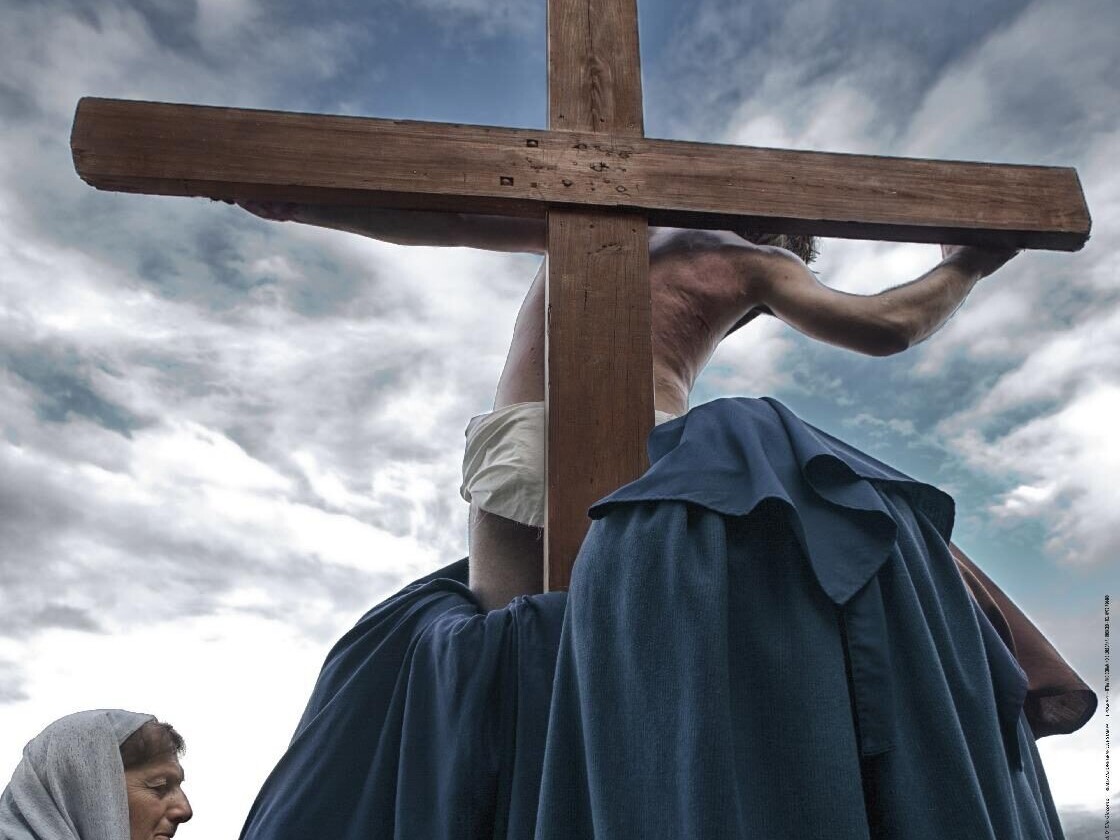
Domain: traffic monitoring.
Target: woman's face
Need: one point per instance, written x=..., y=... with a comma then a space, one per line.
x=156, y=802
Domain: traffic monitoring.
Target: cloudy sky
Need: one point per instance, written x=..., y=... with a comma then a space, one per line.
x=223, y=438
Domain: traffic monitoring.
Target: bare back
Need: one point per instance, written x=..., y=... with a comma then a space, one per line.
x=702, y=283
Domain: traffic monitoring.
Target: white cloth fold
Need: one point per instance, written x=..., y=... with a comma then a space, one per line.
x=69, y=785
x=503, y=464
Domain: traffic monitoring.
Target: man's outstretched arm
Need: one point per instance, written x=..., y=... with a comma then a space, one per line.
x=413, y=227
x=878, y=325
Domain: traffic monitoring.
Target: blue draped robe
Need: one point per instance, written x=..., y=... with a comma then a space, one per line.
x=765, y=637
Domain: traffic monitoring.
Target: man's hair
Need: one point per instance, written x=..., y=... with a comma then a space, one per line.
x=153, y=741
x=805, y=247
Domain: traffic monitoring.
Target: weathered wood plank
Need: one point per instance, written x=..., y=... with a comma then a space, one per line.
x=600, y=371
x=238, y=153
x=598, y=360
x=594, y=71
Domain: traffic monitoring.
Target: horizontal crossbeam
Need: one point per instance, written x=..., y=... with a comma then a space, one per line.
x=237, y=153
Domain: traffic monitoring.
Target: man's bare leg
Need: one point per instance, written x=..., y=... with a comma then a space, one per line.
x=506, y=557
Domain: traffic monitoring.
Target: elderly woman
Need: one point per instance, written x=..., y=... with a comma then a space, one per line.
x=105, y=774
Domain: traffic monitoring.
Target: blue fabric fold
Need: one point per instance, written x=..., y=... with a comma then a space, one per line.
x=766, y=611
x=1009, y=683
x=733, y=455
x=730, y=455
x=427, y=720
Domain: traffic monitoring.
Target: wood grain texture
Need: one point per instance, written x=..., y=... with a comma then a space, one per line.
x=600, y=371
x=237, y=153
x=594, y=70
x=598, y=364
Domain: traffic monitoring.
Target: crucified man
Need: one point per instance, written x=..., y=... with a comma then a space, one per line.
x=704, y=286
x=764, y=604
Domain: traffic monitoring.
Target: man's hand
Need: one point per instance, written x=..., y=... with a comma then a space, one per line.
x=274, y=211
x=975, y=260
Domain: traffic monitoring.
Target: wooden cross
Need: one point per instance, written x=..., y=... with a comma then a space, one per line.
x=599, y=182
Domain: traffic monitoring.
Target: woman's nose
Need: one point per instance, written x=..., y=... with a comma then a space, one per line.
x=182, y=810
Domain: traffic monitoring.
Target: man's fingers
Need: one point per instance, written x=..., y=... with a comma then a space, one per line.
x=274, y=211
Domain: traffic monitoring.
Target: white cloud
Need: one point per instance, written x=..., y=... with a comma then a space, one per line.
x=1055, y=62
x=181, y=454
x=1074, y=768
x=491, y=17
x=838, y=116
x=54, y=55
x=222, y=24
x=864, y=268
x=55, y=65
x=750, y=362
x=994, y=324
x=879, y=426
x=1068, y=364
x=1025, y=500
x=1068, y=461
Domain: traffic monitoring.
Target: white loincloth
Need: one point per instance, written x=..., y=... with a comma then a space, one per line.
x=503, y=465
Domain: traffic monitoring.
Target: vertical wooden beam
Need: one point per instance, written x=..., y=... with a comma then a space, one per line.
x=598, y=359
x=594, y=72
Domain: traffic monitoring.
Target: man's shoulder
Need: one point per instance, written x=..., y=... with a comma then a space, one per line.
x=740, y=253
x=670, y=241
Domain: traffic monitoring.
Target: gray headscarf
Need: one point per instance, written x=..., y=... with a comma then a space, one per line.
x=70, y=783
